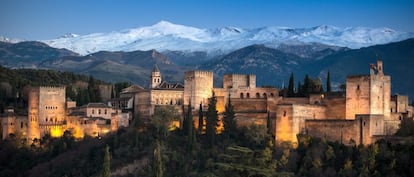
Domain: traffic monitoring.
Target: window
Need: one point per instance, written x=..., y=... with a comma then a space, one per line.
x=357, y=87
x=284, y=113
x=93, y=111
x=21, y=124
x=264, y=95
x=248, y=95
x=99, y=111
x=257, y=95
x=46, y=119
x=106, y=111
x=272, y=95
x=241, y=95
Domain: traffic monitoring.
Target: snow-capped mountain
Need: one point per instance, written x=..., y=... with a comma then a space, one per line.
x=9, y=40
x=168, y=36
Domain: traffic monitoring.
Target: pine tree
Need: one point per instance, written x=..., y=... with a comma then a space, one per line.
x=230, y=125
x=328, y=82
x=106, y=170
x=211, y=120
x=291, y=86
x=200, y=119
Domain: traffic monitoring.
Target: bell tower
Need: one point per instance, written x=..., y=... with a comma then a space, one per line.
x=155, y=77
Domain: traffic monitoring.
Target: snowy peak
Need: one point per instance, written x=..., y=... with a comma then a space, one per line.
x=165, y=35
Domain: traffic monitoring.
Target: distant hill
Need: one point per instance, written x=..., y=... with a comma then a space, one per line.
x=398, y=59
x=272, y=66
x=29, y=54
x=134, y=67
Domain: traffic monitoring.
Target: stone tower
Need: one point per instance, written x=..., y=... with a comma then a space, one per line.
x=198, y=87
x=33, y=115
x=47, y=111
x=368, y=94
x=155, y=77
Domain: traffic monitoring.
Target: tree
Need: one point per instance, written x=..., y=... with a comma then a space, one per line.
x=211, y=120
x=406, y=127
x=328, y=82
x=291, y=86
x=162, y=118
x=189, y=127
x=158, y=166
x=307, y=86
x=230, y=125
x=269, y=124
x=106, y=169
x=200, y=119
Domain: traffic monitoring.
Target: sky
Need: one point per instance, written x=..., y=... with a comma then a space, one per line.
x=48, y=19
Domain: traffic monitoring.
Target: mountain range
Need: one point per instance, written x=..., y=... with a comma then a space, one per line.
x=272, y=61
x=165, y=36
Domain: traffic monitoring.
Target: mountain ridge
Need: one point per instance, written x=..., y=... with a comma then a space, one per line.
x=218, y=41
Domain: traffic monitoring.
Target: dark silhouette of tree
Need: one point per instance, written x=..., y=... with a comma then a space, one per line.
x=291, y=86
x=211, y=120
x=200, y=119
x=158, y=165
x=328, y=82
x=230, y=125
x=106, y=168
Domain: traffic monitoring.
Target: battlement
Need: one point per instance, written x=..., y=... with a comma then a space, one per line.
x=199, y=73
x=53, y=87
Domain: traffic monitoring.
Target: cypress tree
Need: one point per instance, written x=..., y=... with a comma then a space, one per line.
x=211, y=120
x=291, y=89
x=328, y=82
x=158, y=166
x=230, y=126
x=190, y=128
x=106, y=170
x=269, y=123
x=200, y=119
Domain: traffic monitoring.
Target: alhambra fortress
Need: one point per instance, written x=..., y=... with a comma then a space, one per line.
x=361, y=115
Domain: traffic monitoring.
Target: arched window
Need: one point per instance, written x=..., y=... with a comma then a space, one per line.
x=99, y=111
x=241, y=95
x=247, y=95
x=264, y=95
x=257, y=95
x=106, y=111
x=46, y=119
x=272, y=95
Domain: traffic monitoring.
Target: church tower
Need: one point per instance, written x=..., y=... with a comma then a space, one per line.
x=155, y=77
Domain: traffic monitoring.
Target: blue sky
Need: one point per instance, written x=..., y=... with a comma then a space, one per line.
x=47, y=19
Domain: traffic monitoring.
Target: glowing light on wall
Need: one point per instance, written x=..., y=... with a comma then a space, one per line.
x=56, y=132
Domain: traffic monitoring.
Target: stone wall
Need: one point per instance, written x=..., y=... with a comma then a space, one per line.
x=343, y=131
x=335, y=108
x=249, y=105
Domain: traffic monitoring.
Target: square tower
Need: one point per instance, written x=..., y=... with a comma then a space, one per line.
x=198, y=87
x=368, y=94
x=47, y=111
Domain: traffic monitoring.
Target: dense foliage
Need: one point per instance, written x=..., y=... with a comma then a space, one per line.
x=147, y=150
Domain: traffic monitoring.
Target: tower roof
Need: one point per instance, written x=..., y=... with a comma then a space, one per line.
x=156, y=69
